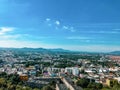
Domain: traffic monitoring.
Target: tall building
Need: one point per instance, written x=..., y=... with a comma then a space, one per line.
x=75, y=71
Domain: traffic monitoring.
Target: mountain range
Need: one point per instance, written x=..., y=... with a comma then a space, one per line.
x=57, y=50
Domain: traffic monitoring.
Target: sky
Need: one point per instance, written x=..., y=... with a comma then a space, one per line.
x=79, y=25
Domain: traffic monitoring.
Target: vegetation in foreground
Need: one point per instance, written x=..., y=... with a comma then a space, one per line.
x=87, y=85
x=13, y=82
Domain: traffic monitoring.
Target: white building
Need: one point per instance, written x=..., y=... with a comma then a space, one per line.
x=75, y=71
x=72, y=70
x=68, y=70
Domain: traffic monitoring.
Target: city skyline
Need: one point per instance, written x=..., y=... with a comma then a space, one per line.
x=81, y=25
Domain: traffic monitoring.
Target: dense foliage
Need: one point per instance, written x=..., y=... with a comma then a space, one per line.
x=13, y=82
x=90, y=85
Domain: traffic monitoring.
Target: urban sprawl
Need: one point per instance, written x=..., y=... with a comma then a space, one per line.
x=34, y=70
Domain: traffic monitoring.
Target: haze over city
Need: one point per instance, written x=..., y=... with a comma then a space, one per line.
x=82, y=25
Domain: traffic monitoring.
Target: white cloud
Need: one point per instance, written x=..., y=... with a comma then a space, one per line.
x=48, y=19
x=20, y=44
x=57, y=22
x=15, y=43
x=99, y=32
x=65, y=27
x=78, y=37
x=5, y=34
x=6, y=37
x=69, y=28
x=72, y=30
x=4, y=30
x=107, y=32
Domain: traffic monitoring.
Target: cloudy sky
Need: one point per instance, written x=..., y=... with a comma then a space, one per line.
x=82, y=25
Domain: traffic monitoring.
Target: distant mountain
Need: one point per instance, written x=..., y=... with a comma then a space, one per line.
x=115, y=52
x=38, y=49
x=56, y=50
x=43, y=49
x=59, y=50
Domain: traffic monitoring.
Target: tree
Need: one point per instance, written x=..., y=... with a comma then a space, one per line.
x=96, y=86
x=11, y=87
x=99, y=86
x=116, y=87
x=47, y=88
x=14, y=79
x=36, y=89
x=93, y=86
x=82, y=82
x=52, y=83
x=26, y=88
x=18, y=87
x=3, y=75
x=2, y=88
x=2, y=82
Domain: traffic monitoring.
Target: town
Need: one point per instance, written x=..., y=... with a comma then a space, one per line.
x=39, y=70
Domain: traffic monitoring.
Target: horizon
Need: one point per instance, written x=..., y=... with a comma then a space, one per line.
x=56, y=48
x=81, y=25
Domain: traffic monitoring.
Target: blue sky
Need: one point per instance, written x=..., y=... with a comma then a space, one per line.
x=82, y=25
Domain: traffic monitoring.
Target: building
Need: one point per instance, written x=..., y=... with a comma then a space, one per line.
x=75, y=71
x=111, y=82
x=68, y=70
x=118, y=79
x=23, y=77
